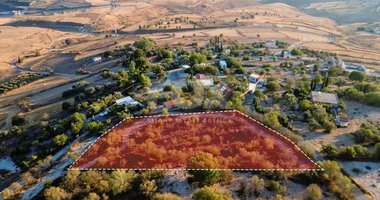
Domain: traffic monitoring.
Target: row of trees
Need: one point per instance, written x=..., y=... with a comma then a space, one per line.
x=371, y=98
x=19, y=81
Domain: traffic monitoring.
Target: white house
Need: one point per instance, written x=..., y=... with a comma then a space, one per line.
x=259, y=80
x=17, y=12
x=128, y=101
x=97, y=59
x=270, y=44
x=222, y=64
x=358, y=68
x=185, y=67
x=286, y=54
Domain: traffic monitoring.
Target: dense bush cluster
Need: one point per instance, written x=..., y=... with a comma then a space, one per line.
x=19, y=81
x=368, y=93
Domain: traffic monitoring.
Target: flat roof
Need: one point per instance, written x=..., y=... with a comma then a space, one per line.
x=323, y=97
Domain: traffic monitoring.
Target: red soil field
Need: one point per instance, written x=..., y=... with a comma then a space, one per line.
x=167, y=142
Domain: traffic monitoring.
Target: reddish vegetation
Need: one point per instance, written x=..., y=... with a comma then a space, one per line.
x=237, y=141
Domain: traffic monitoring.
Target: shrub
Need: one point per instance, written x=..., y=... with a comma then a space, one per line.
x=197, y=58
x=166, y=196
x=120, y=181
x=258, y=184
x=7, y=194
x=56, y=193
x=372, y=98
x=377, y=150
x=305, y=104
x=66, y=105
x=60, y=140
x=356, y=76
x=211, y=193
x=18, y=120
x=16, y=130
x=92, y=196
x=226, y=177
x=297, y=52
x=95, y=126
x=313, y=192
x=273, y=86
x=144, y=44
x=201, y=160
x=148, y=188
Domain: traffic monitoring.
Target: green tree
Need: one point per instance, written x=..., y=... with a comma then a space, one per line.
x=66, y=105
x=56, y=193
x=77, y=122
x=16, y=130
x=329, y=126
x=335, y=71
x=211, y=193
x=60, y=140
x=313, y=192
x=120, y=181
x=92, y=196
x=7, y=194
x=377, y=150
x=226, y=177
x=165, y=111
x=338, y=183
x=144, y=44
x=372, y=98
x=273, y=86
x=148, y=188
x=356, y=76
x=258, y=184
x=291, y=99
x=316, y=67
x=71, y=179
x=305, y=105
x=95, y=126
x=145, y=80
x=350, y=152
x=330, y=151
x=197, y=58
x=233, y=63
x=235, y=104
x=200, y=161
x=297, y=52
x=271, y=119
x=318, y=79
x=166, y=196
x=18, y=120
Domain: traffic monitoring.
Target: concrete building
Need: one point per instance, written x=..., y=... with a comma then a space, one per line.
x=323, y=97
x=96, y=59
x=222, y=64
x=259, y=80
x=270, y=44
x=287, y=54
x=353, y=67
x=128, y=101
